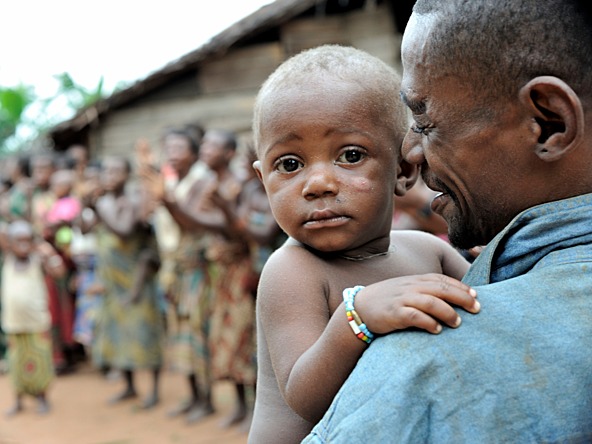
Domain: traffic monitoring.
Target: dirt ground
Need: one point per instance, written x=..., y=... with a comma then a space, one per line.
x=81, y=415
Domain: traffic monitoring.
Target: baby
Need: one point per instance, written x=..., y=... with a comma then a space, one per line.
x=328, y=127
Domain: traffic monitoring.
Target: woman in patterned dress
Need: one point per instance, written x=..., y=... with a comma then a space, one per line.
x=130, y=327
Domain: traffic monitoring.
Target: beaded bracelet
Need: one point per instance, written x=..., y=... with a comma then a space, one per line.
x=355, y=322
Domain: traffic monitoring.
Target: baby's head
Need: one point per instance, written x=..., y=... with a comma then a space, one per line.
x=350, y=70
x=328, y=127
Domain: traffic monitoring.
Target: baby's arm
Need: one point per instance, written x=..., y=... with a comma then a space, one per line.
x=314, y=350
x=453, y=263
x=311, y=352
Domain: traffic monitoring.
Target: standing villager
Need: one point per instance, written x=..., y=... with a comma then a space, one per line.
x=130, y=328
x=25, y=312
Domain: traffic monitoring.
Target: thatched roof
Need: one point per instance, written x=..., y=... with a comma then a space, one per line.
x=267, y=17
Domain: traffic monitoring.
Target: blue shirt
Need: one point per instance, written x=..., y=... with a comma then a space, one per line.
x=520, y=371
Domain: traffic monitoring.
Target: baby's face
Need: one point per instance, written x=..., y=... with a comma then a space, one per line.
x=328, y=162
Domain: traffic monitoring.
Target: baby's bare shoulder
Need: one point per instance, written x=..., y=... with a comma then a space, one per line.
x=292, y=256
x=417, y=240
x=291, y=269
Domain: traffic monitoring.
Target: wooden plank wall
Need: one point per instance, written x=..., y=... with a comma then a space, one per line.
x=371, y=29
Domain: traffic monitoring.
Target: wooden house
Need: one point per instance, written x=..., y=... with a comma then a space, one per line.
x=216, y=84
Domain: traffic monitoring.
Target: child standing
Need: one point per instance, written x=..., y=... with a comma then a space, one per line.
x=25, y=313
x=328, y=127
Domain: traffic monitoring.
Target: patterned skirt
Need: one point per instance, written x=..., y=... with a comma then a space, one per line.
x=232, y=335
x=30, y=362
x=188, y=326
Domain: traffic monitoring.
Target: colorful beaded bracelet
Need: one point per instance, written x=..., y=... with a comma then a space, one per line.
x=355, y=322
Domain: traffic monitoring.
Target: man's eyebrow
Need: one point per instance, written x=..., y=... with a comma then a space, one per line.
x=415, y=106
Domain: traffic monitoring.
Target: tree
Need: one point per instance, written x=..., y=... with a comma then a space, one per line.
x=78, y=96
x=13, y=102
x=24, y=117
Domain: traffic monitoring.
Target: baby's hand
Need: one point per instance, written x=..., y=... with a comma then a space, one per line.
x=414, y=301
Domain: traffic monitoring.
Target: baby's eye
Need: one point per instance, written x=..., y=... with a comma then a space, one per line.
x=288, y=165
x=352, y=155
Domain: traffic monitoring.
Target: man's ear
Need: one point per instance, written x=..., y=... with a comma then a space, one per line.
x=407, y=175
x=257, y=168
x=558, y=114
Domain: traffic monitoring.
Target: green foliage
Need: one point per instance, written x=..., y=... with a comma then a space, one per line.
x=78, y=96
x=15, y=101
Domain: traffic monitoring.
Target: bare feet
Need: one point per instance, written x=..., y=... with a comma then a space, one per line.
x=42, y=406
x=150, y=402
x=124, y=396
x=236, y=417
x=14, y=410
x=199, y=412
x=182, y=409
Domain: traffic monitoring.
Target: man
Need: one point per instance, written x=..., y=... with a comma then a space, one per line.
x=501, y=93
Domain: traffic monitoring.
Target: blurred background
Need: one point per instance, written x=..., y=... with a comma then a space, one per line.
x=80, y=82
x=57, y=57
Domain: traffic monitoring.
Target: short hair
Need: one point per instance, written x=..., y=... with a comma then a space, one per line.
x=502, y=44
x=196, y=131
x=344, y=63
x=228, y=138
x=189, y=133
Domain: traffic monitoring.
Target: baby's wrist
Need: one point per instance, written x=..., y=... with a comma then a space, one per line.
x=355, y=321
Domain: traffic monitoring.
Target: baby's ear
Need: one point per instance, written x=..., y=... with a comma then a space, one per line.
x=257, y=168
x=407, y=175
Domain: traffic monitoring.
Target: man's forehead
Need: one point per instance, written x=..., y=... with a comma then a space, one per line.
x=418, y=33
x=422, y=69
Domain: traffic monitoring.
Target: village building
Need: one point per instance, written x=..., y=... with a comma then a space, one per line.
x=216, y=84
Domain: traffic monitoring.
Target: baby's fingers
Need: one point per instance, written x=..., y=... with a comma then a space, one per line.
x=416, y=318
x=457, y=293
x=434, y=308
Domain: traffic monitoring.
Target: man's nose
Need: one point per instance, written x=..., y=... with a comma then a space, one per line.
x=412, y=150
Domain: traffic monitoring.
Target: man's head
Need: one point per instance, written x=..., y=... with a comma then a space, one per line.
x=498, y=91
